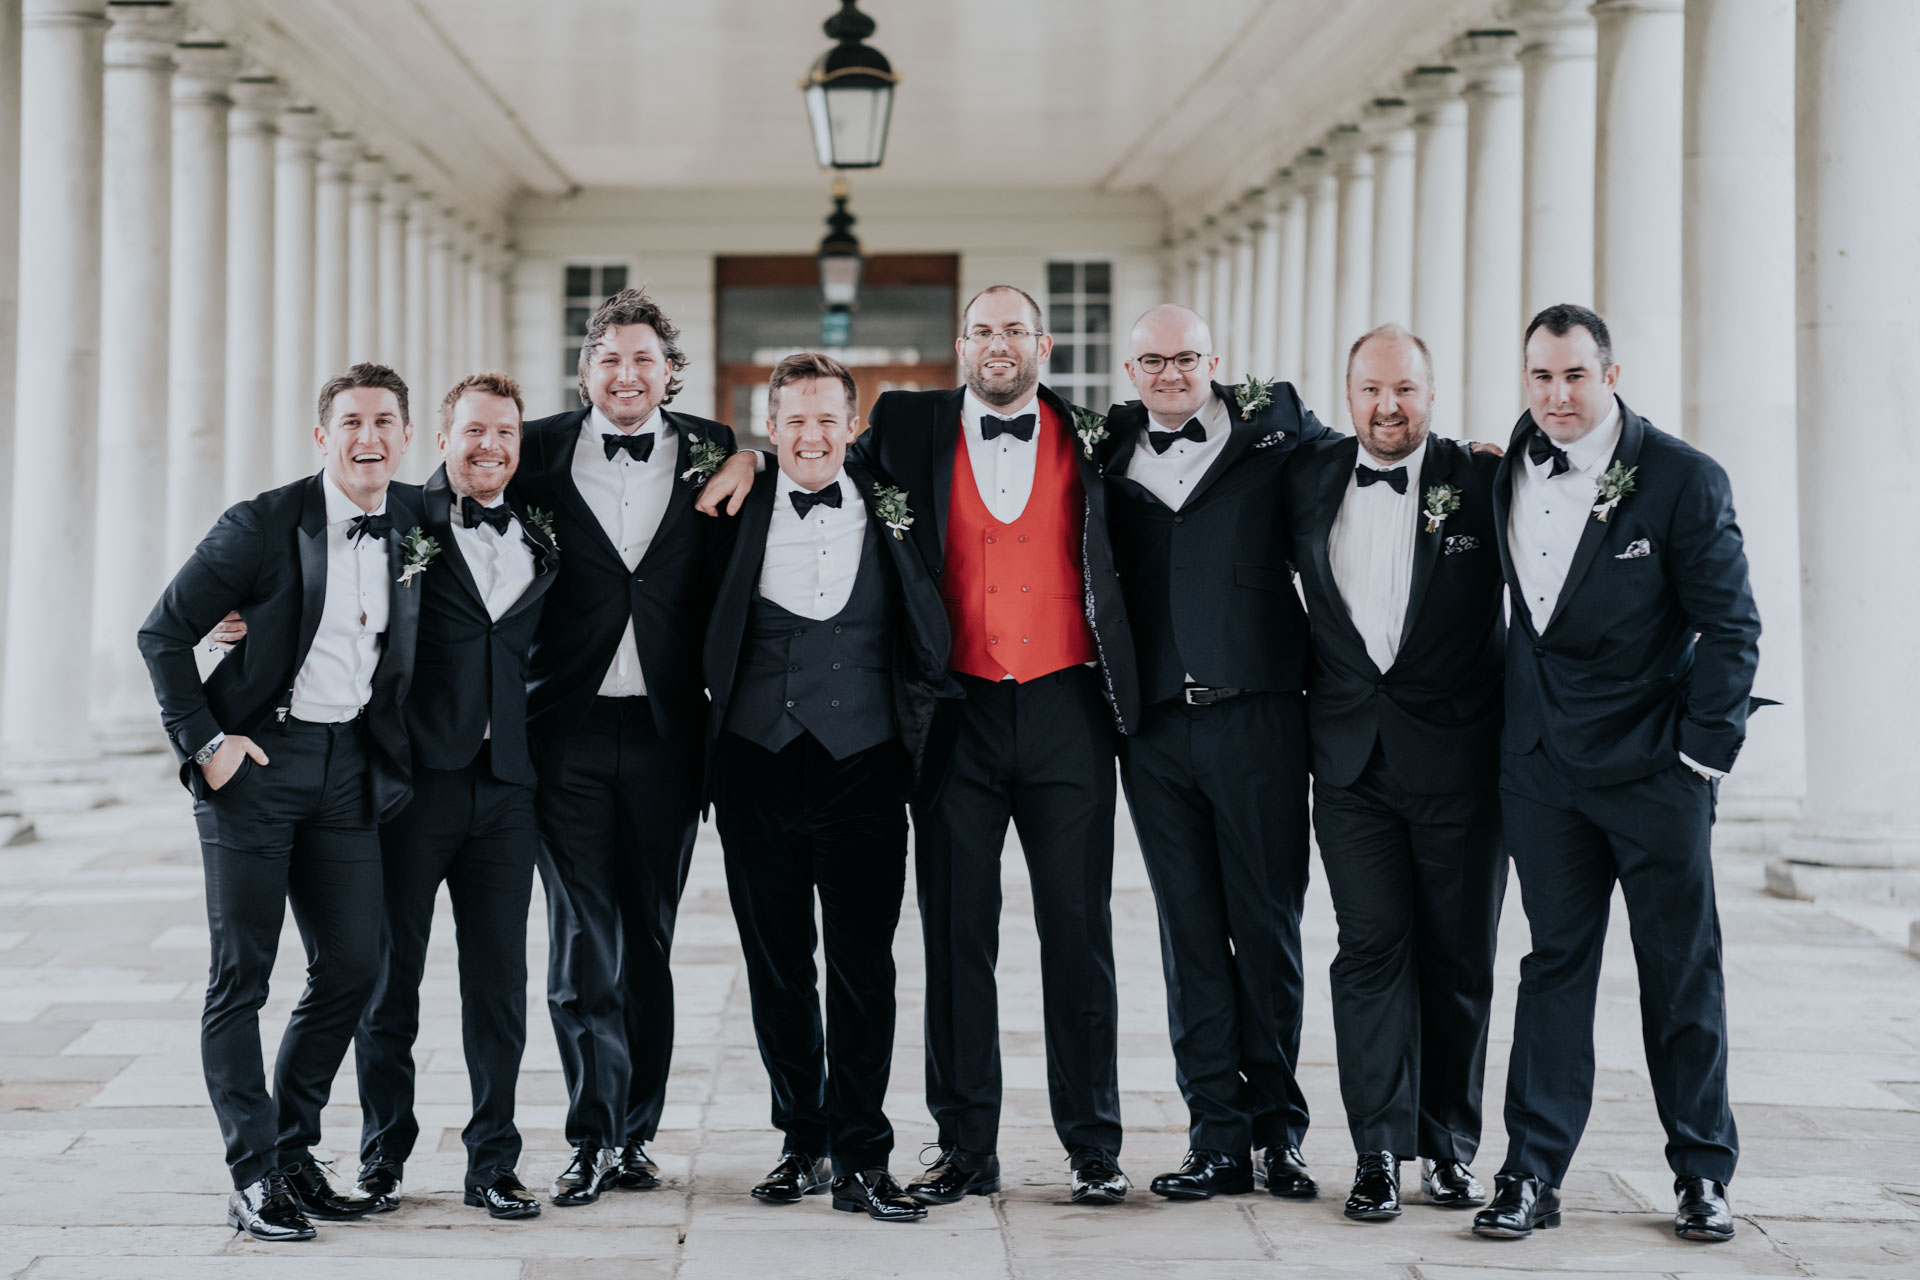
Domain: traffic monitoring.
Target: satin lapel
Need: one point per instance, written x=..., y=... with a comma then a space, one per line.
x=947, y=429
x=1124, y=424
x=742, y=578
x=313, y=567
x=567, y=493
x=1426, y=546
x=439, y=498
x=544, y=557
x=1338, y=462
x=916, y=588
x=403, y=612
x=1594, y=531
x=680, y=498
x=1502, y=501
x=1240, y=437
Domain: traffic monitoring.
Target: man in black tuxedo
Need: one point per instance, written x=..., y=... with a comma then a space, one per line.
x=1629, y=665
x=616, y=720
x=1008, y=513
x=294, y=749
x=470, y=822
x=827, y=650
x=1216, y=769
x=1393, y=535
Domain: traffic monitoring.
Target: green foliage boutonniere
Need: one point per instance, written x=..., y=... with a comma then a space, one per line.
x=1442, y=501
x=704, y=457
x=1616, y=484
x=416, y=551
x=1252, y=396
x=890, y=504
x=1090, y=427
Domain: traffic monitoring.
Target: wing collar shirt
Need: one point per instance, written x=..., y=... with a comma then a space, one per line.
x=1003, y=466
x=1370, y=549
x=335, y=681
x=1171, y=476
x=812, y=560
x=628, y=498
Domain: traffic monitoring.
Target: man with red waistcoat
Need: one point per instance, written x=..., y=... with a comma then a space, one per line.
x=1008, y=511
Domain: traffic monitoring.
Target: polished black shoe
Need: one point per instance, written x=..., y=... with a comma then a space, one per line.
x=1521, y=1202
x=1703, y=1212
x=318, y=1199
x=591, y=1171
x=955, y=1174
x=1376, y=1187
x=796, y=1176
x=1283, y=1172
x=379, y=1182
x=504, y=1197
x=1097, y=1178
x=638, y=1172
x=876, y=1194
x=1451, y=1185
x=266, y=1210
x=1203, y=1175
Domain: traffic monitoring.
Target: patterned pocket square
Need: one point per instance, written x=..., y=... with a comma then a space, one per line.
x=1269, y=440
x=1461, y=542
x=1636, y=549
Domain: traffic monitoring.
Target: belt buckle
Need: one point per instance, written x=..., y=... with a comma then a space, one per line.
x=1198, y=695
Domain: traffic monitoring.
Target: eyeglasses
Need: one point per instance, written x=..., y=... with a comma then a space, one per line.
x=1185, y=362
x=1014, y=334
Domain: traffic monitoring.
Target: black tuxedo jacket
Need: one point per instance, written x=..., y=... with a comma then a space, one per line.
x=922, y=640
x=910, y=441
x=267, y=558
x=1436, y=712
x=1651, y=648
x=470, y=672
x=1207, y=587
x=666, y=598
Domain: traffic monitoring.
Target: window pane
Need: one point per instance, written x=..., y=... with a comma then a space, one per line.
x=1063, y=358
x=1059, y=277
x=579, y=282
x=1096, y=357
x=571, y=369
x=612, y=280
x=1062, y=315
x=1099, y=277
x=577, y=318
x=1098, y=317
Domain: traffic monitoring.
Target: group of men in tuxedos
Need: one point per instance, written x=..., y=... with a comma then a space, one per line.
x=585, y=630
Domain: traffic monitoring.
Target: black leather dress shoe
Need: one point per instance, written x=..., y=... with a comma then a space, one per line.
x=955, y=1174
x=1203, y=1175
x=317, y=1197
x=380, y=1182
x=875, y=1193
x=1283, y=1172
x=1097, y=1178
x=591, y=1171
x=1451, y=1185
x=266, y=1210
x=796, y=1176
x=1376, y=1187
x=638, y=1172
x=1703, y=1212
x=504, y=1197
x=1521, y=1202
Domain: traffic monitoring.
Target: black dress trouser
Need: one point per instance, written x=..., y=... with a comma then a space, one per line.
x=1219, y=799
x=1417, y=882
x=618, y=808
x=477, y=834
x=1041, y=755
x=296, y=831
x=1570, y=844
x=794, y=823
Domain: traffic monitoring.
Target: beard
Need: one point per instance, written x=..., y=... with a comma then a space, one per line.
x=483, y=484
x=1407, y=439
x=1004, y=390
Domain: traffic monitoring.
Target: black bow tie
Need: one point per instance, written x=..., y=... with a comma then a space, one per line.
x=364, y=526
x=1540, y=449
x=804, y=502
x=639, y=447
x=1365, y=475
x=1020, y=428
x=474, y=515
x=1163, y=440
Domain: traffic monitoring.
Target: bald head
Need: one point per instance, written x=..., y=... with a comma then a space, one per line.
x=1390, y=342
x=1158, y=343
x=1170, y=328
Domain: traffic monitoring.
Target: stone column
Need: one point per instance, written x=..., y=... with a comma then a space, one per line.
x=1737, y=382
x=197, y=362
x=1240, y=322
x=338, y=152
x=392, y=340
x=1221, y=258
x=420, y=221
x=294, y=388
x=439, y=310
x=1440, y=235
x=363, y=261
x=44, y=721
x=1202, y=270
x=1321, y=366
x=1859, y=434
x=1353, y=286
x=13, y=825
x=1556, y=55
x=1263, y=324
x=479, y=316
x=134, y=247
x=500, y=305
x=257, y=101
x=459, y=249
x=1389, y=130
x=1291, y=355
x=1490, y=392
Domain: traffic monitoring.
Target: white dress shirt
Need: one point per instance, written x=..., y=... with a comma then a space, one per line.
x=1370, y=549
x=1171, y=476
x=501, y=563
x=1002, y=467
x=336, y=680
x=1549, y=513
x=811, y=563
x=628, y=498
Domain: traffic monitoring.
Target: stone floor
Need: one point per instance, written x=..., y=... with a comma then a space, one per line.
x=110, y=1161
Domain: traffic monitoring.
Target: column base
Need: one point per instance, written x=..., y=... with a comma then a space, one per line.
x=129, y=735
x=15, y=827
x=59, y=781
x=1867, y=862
x=1913, y=939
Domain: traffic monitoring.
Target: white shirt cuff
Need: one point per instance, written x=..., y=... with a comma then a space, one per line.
x=1691, y=763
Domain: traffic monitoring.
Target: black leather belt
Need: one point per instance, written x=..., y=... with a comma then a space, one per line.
x=1200, y=695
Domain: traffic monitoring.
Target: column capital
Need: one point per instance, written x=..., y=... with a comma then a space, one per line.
x=396, y=195
x=1554, y=29
x=424, y=211
x=1310, y=167
x=143, y=35
x=1488, y=61
x=257, y=102
x=207, y=67
x=1430, y=90
x=1610, y=8
x=338, y=152
x=1232, y=224
x=63, y=13
x=369, y=176
x=1346, y=144
x=1387, y=124
x=1278, y=194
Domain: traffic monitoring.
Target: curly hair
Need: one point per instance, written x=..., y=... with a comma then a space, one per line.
x=492, y=383
x=366, y=374
x=632, y=306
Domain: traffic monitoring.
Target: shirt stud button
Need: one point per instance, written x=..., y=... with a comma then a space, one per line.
x=789, y=702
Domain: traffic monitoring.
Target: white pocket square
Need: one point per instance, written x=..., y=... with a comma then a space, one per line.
x=1461, y=542
x=1636, y=549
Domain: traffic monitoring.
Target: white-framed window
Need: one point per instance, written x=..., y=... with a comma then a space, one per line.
x=584, y=286
x=1080, y=318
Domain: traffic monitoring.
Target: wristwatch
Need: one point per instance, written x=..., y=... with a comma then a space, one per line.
x=204, y=756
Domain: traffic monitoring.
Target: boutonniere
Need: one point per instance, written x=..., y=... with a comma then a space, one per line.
x=417, y=550
x=1616, y=484
x=543, y=521
x=704, y=457
x=1252, y=396
x=1090, y=427
x=1442, y=501
x=890, y=504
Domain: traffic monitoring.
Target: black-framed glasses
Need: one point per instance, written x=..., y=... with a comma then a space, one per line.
x=1185, y=361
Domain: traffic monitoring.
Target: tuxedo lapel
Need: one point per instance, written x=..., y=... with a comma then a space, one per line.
x=682, y=494
x=1240, y=437
x=1502, y=501
x=313, y=566
x=1627, y=452
x=737, y=586
x=439, y=522
x=403, y=613
x=947, y=430
x=567, y=494
x=545, y=562
x=1438, y=470
x=1330, y=492
x=1123, y=426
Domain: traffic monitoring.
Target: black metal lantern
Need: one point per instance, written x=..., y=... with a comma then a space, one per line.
x=841, y=263
x=849, y=95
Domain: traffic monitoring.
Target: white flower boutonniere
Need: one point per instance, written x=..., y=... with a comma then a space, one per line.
x=1616, y=484
x=543, y=521
x=704, y=457
x=1252, y=396
x=417, y=550
x=1442, y=501
x=890, y=504
x=1090, y=427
